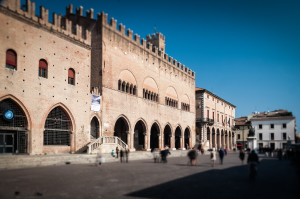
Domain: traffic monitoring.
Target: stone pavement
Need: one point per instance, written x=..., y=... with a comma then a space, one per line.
x=145, y=179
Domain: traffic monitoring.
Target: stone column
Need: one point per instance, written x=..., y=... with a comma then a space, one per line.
x=181, y=142
x=172, y=142
x=129, y=140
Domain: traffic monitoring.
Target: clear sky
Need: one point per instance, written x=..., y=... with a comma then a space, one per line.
x=245, y=51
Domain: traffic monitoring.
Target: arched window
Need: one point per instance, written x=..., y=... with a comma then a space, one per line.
x=43, y=68
x=58, y=128
x=71, y=76
x=11, y=59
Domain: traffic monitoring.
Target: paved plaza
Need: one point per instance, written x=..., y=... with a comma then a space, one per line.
x=146, y=179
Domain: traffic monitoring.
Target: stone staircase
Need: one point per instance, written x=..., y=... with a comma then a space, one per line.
x=105, y=144
x=27, y=161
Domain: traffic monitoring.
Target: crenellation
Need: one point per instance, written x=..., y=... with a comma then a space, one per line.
x=166, y=56
x=69, y=9
x=90, y=13
x=149, y=46
x=78, y=32
x=130, y=33
x=137, y=38
x=44, y=15
x=122, y=29
x=79, y=11
x=113, y=23
x=174, y=62
x=102, y=17
x=170, y=59
x=143, y=43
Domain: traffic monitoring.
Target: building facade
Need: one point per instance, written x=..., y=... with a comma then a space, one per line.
x=275, y=130
x=51, y=71
x=242, y=127
x=214, y=121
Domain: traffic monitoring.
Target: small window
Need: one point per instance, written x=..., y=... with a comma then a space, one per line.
x=271, y=126
x=11, y=59
x=260, y=126
x=272, y=136
x=284, y=125
x=43, y=68
x=260, y=136
x=71, y=76
x=284, y=136
x=239, y=136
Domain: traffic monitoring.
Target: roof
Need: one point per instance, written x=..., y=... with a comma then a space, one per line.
x=201, y=90
x=242, y=121
x=277, y=114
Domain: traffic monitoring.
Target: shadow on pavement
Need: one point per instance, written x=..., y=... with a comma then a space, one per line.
x=276, y=179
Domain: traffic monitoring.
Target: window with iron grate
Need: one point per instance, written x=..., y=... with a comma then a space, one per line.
x=57, y=128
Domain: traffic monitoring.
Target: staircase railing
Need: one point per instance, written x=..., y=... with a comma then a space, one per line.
x=106, y=140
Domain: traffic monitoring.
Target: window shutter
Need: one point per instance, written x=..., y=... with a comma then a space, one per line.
x=71, y=73
x=43, y=64
x=11, y=58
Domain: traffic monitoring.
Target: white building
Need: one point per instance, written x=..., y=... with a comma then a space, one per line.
x=274, y=129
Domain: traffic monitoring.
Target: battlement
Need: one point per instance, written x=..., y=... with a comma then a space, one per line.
x=149, y=44
x=59, y=24
x=154, y=44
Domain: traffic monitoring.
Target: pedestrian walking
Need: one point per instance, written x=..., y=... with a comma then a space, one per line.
x=213, y=157
x=221, y=155
x=99, y=159
x=126, y=154
x=252, y=160
x=117, y=152
x=192, y=154
x=121, y=155
x=242, y=155
x=156, y=155
x=164, y=153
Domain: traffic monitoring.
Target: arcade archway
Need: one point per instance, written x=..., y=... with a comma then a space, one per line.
x=154, y=136
x=167, y=136
x=139, y=136
x=178, y=138
x=121, y=129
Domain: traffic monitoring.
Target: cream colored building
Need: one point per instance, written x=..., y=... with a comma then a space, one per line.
x=214, y=121
x=50, y=71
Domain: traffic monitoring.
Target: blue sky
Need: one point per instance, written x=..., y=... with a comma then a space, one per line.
x=245, y=51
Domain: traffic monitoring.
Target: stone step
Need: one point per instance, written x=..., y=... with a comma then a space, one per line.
x=26, y=161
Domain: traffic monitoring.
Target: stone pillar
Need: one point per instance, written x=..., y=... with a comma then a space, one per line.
x=181, y=142
x=172, y=142
x=129, y=142
x=146, y=140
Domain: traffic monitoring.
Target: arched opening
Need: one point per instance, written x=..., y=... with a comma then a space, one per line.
x=213, y=138
x=167, y=136
x=177, y=138
x=95, y=133
x=121, y=129
x=187, y=138
x=13, y=125
x=58, y=128
x=139, y=136
x=208, y=133
x=154, y=136
x=218, y=139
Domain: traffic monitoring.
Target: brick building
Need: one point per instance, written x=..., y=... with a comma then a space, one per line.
x=49, y=73
x=214, y=121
